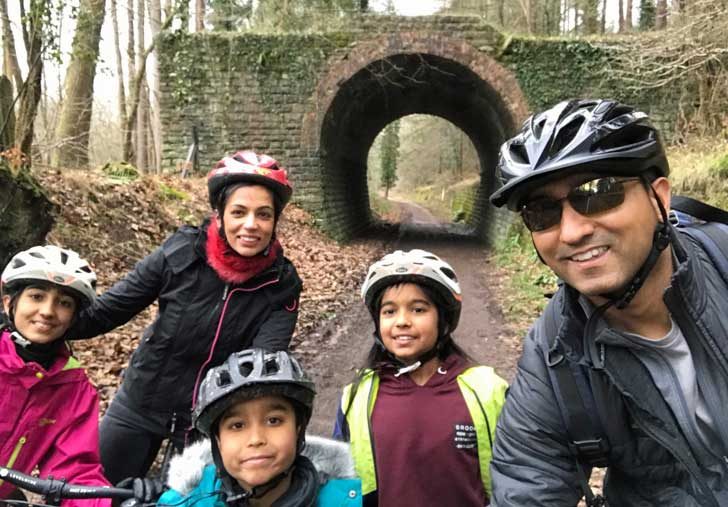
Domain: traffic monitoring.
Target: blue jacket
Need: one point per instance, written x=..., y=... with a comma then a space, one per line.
x=324, y=477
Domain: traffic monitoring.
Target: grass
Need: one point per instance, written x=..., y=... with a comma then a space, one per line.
x=698, y=169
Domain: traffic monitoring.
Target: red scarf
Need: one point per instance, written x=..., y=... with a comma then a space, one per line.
x=231, y=266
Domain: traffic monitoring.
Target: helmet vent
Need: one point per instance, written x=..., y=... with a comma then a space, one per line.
x=625, y=137
x=449, y=273
x=36, y=255
x=270, y=367
x=18, y=264
x=518, y=153
x=64, y=257
x=566, y=135
x=245, y=369
x=224, y=379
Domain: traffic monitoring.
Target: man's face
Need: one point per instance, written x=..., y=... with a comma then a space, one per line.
x=600, y=253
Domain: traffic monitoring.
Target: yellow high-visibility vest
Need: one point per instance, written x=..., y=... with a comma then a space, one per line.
x=484, y=393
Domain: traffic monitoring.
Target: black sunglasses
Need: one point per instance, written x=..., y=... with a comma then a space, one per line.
x=589, y=198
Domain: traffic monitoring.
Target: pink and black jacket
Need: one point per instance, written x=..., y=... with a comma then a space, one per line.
x=49, y=419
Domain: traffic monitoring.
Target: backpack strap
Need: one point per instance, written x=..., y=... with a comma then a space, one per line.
x=713, y=237
x=698, y=209
x=572, y=388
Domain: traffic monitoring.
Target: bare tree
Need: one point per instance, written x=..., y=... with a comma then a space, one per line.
x=135, y=86
x=129, y=129
x=143, y=114
x=155, y=21
x=32, y=25
x=10, y=60
x=75, y=118
x=199, y=15
x=121, y=94
x=661, y=15
x=621, y=16
x=683, y=60
x=628, y=25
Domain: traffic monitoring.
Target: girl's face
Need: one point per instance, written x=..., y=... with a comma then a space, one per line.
x=249, y=218
x=407, y=322
x=257, y=439
x=42, y=314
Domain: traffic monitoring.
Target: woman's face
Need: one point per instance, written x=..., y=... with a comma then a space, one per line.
x=42, y=314
x=249, y=218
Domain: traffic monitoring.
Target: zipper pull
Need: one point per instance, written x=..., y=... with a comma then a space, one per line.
x=225, y=292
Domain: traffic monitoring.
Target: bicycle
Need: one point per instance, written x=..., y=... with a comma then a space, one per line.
x=55, y=490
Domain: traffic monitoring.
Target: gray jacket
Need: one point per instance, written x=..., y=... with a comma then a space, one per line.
x=650, y=461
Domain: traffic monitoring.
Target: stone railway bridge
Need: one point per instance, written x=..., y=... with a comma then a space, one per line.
x=317, y=101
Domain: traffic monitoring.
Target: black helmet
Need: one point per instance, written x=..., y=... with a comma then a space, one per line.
x=597, y=136
x=259, y=372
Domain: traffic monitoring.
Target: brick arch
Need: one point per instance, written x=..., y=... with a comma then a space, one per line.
x=394, y=75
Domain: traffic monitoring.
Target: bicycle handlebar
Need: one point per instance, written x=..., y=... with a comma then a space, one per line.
x=57, y=489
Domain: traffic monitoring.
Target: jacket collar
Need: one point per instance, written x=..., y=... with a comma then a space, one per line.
x=330, y=458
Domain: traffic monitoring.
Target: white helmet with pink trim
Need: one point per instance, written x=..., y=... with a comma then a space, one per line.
x=49, y=263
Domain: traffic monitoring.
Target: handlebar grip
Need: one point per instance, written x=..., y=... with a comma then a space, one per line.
x=61, y=488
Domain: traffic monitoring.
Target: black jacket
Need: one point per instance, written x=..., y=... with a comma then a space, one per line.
x=650, y=460
x=194, y=303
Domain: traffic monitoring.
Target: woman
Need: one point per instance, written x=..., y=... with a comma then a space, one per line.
x=222, y=287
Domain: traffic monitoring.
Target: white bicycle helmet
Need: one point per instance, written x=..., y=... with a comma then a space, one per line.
x=418, y=266
x=52, y=264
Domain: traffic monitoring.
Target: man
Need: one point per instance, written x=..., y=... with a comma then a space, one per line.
x=641, y=307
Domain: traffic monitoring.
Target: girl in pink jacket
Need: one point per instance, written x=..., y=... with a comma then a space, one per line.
x=48, y=408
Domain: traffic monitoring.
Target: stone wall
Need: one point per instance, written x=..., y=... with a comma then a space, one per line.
x=317, y=101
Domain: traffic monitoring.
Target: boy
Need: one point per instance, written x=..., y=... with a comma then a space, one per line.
x=255, y=408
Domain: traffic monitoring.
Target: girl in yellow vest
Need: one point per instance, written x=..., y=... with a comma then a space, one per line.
x=420, y=415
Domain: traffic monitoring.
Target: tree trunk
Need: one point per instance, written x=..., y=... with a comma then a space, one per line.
x=590, y=13
x=75, y=117
x=603, y=20
x=628, y=25
x=121, y=95
x=621, y=16
x=10, y=60
x=7, y=113
x=25, y=213
x=199, y=15
x=155, y=21
x=31, y=88
x=135, y=86
x=143, y=116
x=130, y=126
x=661, y=15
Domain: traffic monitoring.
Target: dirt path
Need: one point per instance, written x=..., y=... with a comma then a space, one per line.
x=333, y=352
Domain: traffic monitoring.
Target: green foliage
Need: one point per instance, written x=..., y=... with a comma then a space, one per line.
x=528, y=280
x=720, y=168
x=120, y=170
x=389, y=154
x=648, y=12
x=170, y=193
x=300, y=15
x=551, y=70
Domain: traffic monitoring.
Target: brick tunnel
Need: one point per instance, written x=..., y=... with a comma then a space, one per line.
x=479, y=97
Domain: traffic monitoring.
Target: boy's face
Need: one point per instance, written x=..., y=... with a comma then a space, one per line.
x=42, y=314
x=257, y=439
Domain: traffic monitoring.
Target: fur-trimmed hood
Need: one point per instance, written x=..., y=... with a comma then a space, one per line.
x=331, y=458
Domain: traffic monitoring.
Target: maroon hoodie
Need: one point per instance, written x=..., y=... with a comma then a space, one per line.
x=424, y=442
